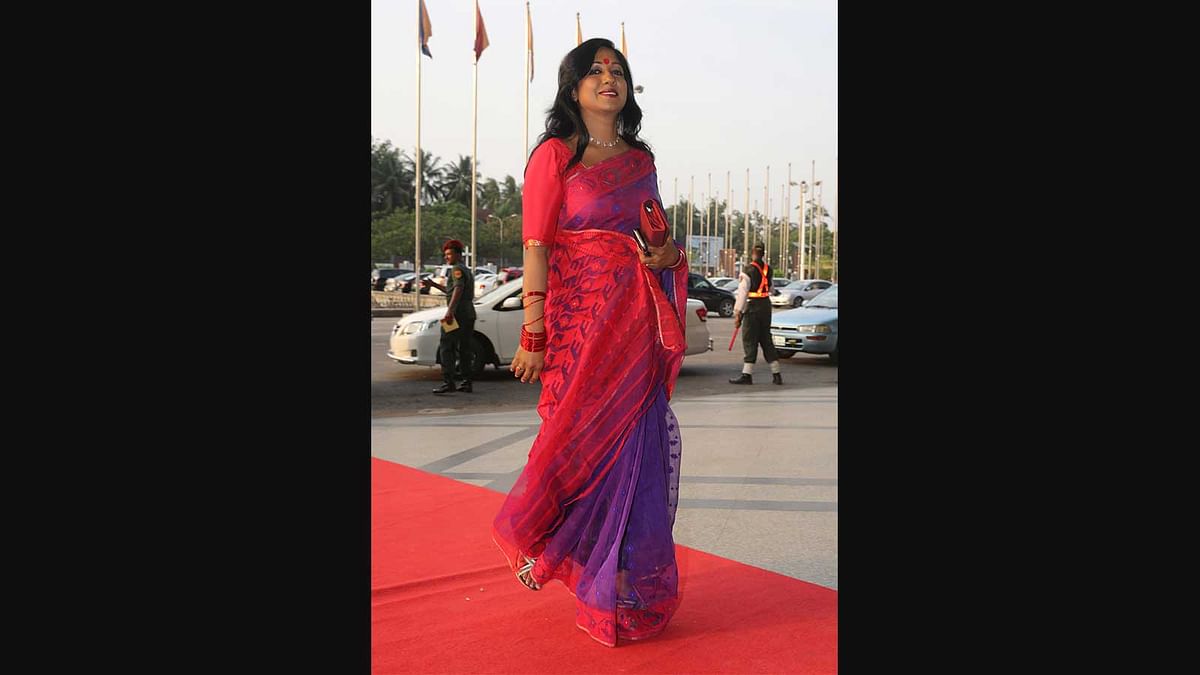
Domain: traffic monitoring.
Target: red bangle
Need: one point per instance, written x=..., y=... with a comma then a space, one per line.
x=533, y=342
x=679, y=260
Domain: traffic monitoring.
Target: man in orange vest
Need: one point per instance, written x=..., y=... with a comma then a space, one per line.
x=754, y=291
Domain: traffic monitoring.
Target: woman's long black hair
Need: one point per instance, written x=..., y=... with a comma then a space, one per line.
x=563, y=118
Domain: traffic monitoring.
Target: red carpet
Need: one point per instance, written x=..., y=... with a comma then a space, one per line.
x=443, y=601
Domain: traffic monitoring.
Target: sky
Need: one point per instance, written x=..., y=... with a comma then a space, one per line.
x=729, y=85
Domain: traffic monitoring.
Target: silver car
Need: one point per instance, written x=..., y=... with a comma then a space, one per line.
x=796, y=292
x=812, y=329
x=498, y=318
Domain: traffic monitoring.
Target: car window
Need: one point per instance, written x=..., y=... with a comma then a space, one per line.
x=703, y=284
x=500, y=293
x=826, y=298
x=822, y=284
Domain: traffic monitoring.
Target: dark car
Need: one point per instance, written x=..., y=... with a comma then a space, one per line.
x=405, y=282
x=715, y=299
x=380, y=277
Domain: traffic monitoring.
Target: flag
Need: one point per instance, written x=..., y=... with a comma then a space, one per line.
x=624, y=50
x=481, y=41
x=529, y=32
x=578, y=31
x=426, y=31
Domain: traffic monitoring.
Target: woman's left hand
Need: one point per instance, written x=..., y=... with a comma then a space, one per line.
x=661, y=257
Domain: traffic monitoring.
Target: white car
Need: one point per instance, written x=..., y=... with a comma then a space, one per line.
x=486, y=283
x=443, y=271
x=797, y=292
x=498, y=319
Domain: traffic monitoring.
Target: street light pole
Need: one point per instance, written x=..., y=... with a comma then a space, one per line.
x=800, y=253
x=820, y=226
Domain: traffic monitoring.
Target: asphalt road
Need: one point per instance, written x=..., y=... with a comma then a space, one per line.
x=398, y=390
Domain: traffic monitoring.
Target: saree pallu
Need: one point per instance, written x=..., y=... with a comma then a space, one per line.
x=596, y=501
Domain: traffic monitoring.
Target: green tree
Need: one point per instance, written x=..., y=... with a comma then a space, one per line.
x=432, y=178
x=391, y=178
x=456, y=181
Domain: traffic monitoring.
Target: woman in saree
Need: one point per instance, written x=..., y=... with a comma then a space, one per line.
x=595, y=504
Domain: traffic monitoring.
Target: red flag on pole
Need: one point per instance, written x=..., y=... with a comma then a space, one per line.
x=481, y=40
x=529, y=32
x=426, y=30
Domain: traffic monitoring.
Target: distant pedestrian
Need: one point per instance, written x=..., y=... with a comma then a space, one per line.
x=753, y=293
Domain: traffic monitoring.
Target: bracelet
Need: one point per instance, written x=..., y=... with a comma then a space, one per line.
x=529, y=294
x=533, y=342
x=678, y=261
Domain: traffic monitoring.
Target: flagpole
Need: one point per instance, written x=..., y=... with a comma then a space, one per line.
x=803, y=235
x=729, y=235
x=812, y=218
x=528, y=25
x=779, y=254
x=691, y=207
x=417, y=212
x=820, y=227
x=728, y=203
x=787, y=225
x=746, y=224
x=836, y=225
x=767, y=217
x=675, y=211
x=703, y=234
x=708, y=217
x=474, y=129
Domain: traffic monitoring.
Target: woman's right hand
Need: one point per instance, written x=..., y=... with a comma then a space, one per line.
x=527, y=366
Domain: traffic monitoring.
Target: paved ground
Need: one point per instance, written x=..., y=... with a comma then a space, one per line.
x=759, y=467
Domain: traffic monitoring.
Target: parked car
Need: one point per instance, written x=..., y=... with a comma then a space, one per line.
x=812, y=328
x=499, y=316
x=439, y=275
x=405, y=282
x=720, y=282
x=486, y=283
x=379, y=278
x=715, y=299
x=798, y=291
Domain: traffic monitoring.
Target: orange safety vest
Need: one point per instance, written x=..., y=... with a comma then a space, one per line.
x=764, y=286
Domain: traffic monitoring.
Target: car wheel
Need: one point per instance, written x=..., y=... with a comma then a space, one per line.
x=726, y=308
x=483, y=355
x=796, y=301
x=833, y=356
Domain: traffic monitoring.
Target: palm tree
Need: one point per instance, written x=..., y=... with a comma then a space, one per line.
x=391, y=181
x=431, y=177
x=489, y=194
x=456, y=182
x=510, y=197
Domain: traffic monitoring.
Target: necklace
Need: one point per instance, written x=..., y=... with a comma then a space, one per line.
x=606, y=145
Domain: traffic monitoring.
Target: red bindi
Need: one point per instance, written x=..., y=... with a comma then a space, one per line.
x=606, y=62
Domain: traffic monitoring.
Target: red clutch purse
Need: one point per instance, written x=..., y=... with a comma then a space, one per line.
x=654, y=223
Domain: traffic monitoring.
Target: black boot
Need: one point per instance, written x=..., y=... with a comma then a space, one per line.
x=446, y=388
x=744, y=378
x=777, y=378
x=465, y=386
